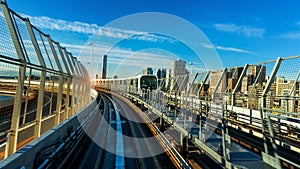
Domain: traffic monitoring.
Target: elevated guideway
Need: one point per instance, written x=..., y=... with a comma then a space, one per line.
x=221, y=121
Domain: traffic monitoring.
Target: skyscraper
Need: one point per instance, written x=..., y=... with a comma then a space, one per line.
x=104, y=67
x=254, y=70
x=161, y=76
x=179, y=75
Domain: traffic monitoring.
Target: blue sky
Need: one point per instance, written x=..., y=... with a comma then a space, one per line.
x=241, y=31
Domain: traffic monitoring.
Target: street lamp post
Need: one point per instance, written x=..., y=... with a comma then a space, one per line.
x=91, y=61
x=191, y=63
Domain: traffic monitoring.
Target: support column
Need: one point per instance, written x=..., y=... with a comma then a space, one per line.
x=40, y=104
x=200, y=121
x=74, y=95
x=80, y=96
x=223, y=136
x=274, y=146
x=263, y=130
x=238, y=84
x=26, y=101
x=162, y=122
x=184, y=145
x=60, y=83
x=270, y=81
x=59, y=99
x=68, y=112
x=13, y=132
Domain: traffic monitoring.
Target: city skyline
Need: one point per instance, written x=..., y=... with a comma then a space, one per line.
x=241, y=32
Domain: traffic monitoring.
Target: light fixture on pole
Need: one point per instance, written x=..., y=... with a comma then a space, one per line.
x=191, y=63
x=91, y=61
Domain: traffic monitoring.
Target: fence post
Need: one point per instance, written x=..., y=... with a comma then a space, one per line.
x=13, y=132
x=270, y=81
x=40, y=103
x=61, y=78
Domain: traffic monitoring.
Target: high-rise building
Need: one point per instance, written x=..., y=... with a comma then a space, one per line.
x=254, y=71
x=233, y=75
x=158, y=73
x=246, y=82
x=161, y=76
x=236, y=72
x=231, y=84
x=281, y=85
x=214, y=78
x=168, y=80
x=104, y=67
x=283, y=90
x=179, y=75
x=163, y=73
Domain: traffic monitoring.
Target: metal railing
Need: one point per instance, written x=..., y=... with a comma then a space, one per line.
x=41, y=83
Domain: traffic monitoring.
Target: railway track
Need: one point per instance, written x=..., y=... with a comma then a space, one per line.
x=195, y=157
x=137, y=129
x=91, y=155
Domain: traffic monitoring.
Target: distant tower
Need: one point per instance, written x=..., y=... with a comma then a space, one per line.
x=104, y=67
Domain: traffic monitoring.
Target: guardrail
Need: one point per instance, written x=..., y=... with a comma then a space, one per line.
x=272, y=119
x=178, y=160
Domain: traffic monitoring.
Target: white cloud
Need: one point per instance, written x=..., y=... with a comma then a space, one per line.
x=44, y=22
x=249, y=31
x=123, y=56
x=231, y=49
x=294, y=35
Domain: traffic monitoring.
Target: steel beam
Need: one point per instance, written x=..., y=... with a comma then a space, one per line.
x=203, y=82
x=238, y=84
x=256, y=79
x=60, y=83
x=40, y=103
x=270, y=81
x=219, y=82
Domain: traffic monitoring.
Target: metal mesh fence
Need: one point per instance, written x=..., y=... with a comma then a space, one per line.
x=25, y=41
x=49, y=52
x=41, y=43
x=34, y=95
x=6, y=46
x=195, y=88
x=59, y=57
x=70, y=63
x=8, y=79
x=64, y=61
x=287, y=85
